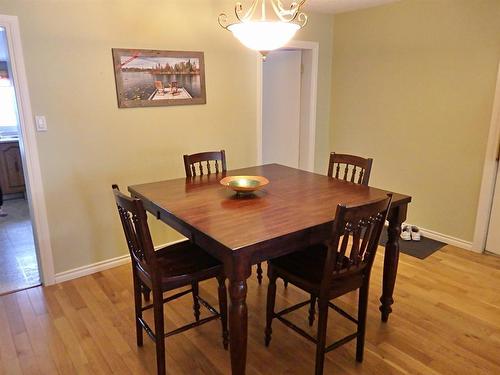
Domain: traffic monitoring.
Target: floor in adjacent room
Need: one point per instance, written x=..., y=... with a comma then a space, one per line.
x=446, y=320
x=18, y=265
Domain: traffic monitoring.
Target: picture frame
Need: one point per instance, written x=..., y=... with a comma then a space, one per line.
x=152, y=78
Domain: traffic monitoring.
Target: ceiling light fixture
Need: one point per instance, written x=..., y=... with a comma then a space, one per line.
x=259, y=32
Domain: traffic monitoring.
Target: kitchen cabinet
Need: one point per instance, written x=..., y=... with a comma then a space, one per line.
x=11, y=168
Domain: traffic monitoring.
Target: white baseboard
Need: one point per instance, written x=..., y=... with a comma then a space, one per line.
x=124, y=259
x=458, y=242
x=91, y=268
x=99, y=266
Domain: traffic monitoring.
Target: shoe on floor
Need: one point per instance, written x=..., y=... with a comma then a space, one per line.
x=2, y=212
x=415, y=233
x=405, y=233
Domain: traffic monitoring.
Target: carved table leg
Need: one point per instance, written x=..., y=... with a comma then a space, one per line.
x=238, y=325
x=238, y=270
x=396, y=217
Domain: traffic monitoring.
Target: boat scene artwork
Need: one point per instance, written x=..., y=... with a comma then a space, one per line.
x=146, y=78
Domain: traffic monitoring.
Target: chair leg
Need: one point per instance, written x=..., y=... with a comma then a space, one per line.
x=321, y=344
x=223, y=310
x=362, y=309
x=312, y=310
x=138, y=309
x=196, y=302
x=159, y=332
x=146, y=292
x=259, y=273
x=271, y=299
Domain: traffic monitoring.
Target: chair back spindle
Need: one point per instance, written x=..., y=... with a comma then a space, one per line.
x=341, y=164
x=203, y=162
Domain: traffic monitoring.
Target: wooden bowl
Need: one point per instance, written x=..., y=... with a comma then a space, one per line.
x=244, y=184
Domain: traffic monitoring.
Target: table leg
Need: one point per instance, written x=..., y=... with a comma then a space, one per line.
x=397, y=215
x=238, y=325
x=237, y=271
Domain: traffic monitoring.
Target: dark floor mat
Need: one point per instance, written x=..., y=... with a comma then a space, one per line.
x=418, y=249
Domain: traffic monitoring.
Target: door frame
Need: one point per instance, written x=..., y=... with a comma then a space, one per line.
x=311, y=126
x=490, y=170
x=29, y=151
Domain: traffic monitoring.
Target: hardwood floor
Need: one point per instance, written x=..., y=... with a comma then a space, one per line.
x=446, y=320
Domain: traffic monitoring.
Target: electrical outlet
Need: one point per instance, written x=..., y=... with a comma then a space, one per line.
x=41, y=123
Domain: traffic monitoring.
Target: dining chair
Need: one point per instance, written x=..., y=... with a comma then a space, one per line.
x=160, y=88
x=330, y=270
x=211, y=160
x=341, y=164
x=172, y=267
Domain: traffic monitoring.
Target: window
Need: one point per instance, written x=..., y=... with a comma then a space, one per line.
x=8, y=107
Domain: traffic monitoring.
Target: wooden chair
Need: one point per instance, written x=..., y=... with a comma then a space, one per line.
x=327, y=271
x=166, y=269
x=211, y=159
x=341, y=163
x=174, y=88
x=160, y=88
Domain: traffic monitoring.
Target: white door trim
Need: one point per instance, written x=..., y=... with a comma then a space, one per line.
x=29, y=150
x=314, y=47
x=489, y=175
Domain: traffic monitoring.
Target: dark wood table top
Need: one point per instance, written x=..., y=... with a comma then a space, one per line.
x=294, y=201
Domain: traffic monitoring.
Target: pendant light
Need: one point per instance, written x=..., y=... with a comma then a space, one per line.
x=266, y=25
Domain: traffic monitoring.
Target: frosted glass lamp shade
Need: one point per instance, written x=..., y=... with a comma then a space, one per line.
x=264, y=35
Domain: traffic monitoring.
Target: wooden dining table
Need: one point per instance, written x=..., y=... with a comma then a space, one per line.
x=294, y=210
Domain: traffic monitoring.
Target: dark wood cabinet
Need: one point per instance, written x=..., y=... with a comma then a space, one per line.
x=11, y=168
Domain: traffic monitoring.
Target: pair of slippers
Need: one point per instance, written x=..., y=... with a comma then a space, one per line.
x=410, y=233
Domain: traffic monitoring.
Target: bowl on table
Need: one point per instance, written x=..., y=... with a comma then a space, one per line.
x=244, y=184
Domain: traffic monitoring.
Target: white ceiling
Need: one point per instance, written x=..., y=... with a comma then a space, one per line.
x=338, y=6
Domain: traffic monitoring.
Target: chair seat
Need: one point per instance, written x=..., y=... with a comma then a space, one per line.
x=183, y=263
x=305, y=269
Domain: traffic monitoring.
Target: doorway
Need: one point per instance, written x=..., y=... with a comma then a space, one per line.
x=28, y=150
x=18, y=259
x=493, y=237
x=487, y=232
x=286, y=93
x=281, y=77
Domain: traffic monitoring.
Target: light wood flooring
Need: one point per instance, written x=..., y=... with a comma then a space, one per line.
x=446, y=320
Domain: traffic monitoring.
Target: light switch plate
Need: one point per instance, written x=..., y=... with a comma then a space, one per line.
x=41, y=123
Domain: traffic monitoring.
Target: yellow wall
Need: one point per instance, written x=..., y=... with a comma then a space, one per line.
x=91, y=143
x=413, y=86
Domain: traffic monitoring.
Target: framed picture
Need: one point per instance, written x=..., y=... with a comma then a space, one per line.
x=149, y=78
